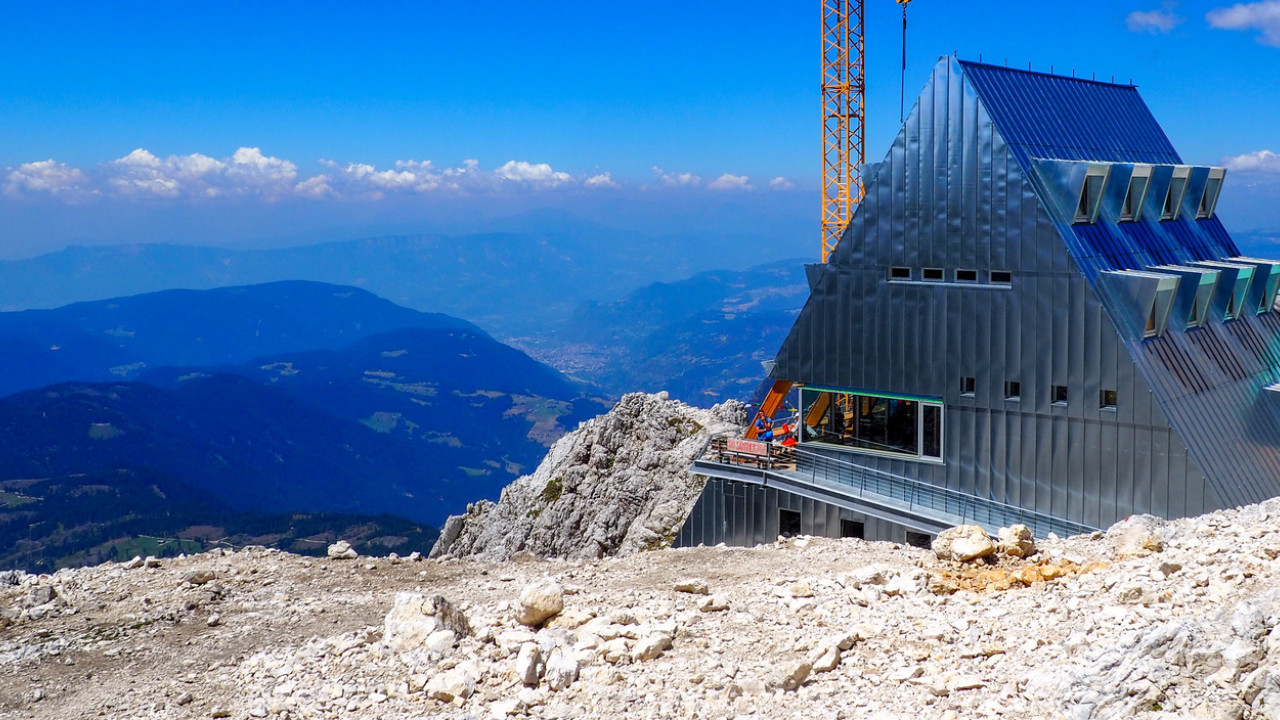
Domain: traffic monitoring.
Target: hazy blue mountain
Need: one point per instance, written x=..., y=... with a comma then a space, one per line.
x=115, y=515
x=120, y=338
x=702, y=338
x=244, y=443
x=483, y=410
x=510, y=283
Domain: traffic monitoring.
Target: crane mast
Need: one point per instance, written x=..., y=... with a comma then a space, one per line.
x=843, y=108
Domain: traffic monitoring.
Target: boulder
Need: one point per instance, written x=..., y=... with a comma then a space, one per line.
x=562, y=669
x=415, y=617
x=539, y=602
x=342, y=550
x=650, y=647
x=451, y=686
x=963, y=544
x=528, y=665
x=1017, y=541
x=692, y=586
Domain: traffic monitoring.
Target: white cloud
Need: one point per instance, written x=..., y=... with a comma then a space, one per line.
x=781, y=183
x=315, y=187
x=246, y=172
x=676, y=180
x=1154, y=21
x=603, y=180
x=1261, y=16
x=729, y=181
x=1259, y=161
x=47, y=176
x=540, y=175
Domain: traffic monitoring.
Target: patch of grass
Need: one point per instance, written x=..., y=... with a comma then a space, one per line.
x=475, y=472
x=14, y=500
x=553, y=490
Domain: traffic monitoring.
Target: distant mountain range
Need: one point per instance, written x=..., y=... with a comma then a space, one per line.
x=512, y=284
x=702, y=338
x=355, y=406
x=121, y=338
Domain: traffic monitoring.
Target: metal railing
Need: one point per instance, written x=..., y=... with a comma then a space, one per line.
x=860, y=481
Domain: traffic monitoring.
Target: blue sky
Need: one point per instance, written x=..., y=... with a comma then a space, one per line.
x=241, y=123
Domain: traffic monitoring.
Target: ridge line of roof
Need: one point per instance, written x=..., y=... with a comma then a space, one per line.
x=1045, y=74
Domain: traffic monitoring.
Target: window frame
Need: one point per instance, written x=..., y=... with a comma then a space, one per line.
x=1054, y=391
x=1171, y=210
x=935, y=404
x=1130, y=207
x=1089, y=202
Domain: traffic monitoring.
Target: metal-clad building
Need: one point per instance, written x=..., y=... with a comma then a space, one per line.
x=1034, y=315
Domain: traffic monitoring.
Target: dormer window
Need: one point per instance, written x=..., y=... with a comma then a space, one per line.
x=1095, y=181
x=1177, y=191
x=1212, y=188
x=1139, y=183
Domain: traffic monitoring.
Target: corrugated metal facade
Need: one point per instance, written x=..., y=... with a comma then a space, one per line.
x=737, y=513
x=954, y=194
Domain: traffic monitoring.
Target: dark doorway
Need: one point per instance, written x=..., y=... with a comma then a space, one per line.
x=788, y=523
x=919, y=539
x=853, y=529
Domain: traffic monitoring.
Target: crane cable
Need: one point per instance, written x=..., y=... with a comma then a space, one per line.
x=902, y=82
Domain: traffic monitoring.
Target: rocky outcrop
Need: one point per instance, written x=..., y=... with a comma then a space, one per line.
x=618, y=484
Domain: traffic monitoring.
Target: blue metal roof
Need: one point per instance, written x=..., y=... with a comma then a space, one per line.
x=1048, y=116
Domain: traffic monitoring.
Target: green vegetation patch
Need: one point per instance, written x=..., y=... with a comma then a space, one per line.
x=553, y=490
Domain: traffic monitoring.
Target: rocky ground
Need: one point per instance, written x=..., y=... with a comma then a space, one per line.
x=1148, y=620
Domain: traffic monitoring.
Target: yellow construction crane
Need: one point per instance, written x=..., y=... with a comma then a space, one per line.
x=843, y=137
x=843, y=114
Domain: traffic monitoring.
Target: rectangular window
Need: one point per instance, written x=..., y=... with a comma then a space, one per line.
x=966, y=276
x=968, y=386
x=1012, y=390
x=853, y=529
x=1108, y=400
x=1136, y=195
x=900, y=273
x=1059, y=396
x=1177, y=191
x=1001, y=277
x=933, y=273
x=872, y=423
x=919, y=539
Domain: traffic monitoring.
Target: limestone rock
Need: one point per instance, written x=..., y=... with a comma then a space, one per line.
x=342, y=550
x=451, y=686
x=540, y=601
x=529, y=665
x=1017, y=541
x=651, y=647
x=618, y=485
x=695, y=587
x=963, y=543
x=562, y=670
x=415, y=617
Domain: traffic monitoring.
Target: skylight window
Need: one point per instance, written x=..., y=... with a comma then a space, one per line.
x=1212, y=188
x=1136, y=195
x=1177, y=191
x=1095, y=182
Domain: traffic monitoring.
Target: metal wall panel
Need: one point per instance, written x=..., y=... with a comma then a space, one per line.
x=954, y=193
x=713, y=519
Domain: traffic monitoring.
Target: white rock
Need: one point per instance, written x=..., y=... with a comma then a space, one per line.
x=528, y=664
x=963, y=543
x=415, y=617
x=342, y=550
x=692, y=586
x=562, y=669
x=540, y=601
x=650, y=647
x=451, y=686
x=1017, y=541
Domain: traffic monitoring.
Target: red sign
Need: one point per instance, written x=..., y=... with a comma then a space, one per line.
x=748, y=447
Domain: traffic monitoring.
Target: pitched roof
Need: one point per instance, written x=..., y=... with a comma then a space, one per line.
x=1048, y=116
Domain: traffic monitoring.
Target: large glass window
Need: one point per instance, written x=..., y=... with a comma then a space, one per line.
x=872, y=423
